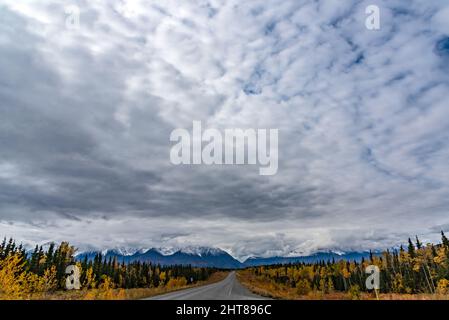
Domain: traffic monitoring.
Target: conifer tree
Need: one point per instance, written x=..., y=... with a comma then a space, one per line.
x=411, y=248
x=418, y=243
x=444, y=240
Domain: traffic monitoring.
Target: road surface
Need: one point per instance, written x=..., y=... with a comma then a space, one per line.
x=227, y=289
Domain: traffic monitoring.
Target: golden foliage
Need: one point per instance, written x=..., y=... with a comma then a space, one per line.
x=17, y=283
x=105, y=291
x=89, y=282
x=443, y=286
x=176, y=283
x=303, y=287
x=13, y=278
x=354, y=292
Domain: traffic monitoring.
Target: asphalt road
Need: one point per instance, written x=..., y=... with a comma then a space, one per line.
x=227, y=289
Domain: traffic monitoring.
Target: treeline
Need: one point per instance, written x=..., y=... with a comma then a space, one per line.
x=24, y=273
x=416, y=269
x=140, y=274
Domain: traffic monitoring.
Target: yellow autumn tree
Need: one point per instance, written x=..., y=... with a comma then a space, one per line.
x=162, y=277
x=443, y=286
x=398, y=283
x=176, y=282
x=303, y=287
x=48, y=282
x=105, y=291
x=105, y=288
x=89, y=282
x=13, y=278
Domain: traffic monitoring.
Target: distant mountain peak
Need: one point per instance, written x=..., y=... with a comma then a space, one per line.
x=120, y=251
x=166, y=251
x=201, y=251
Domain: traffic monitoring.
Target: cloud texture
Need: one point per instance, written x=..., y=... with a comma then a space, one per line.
x=86, y=114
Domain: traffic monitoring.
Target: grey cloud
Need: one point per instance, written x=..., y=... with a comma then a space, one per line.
x=85, y=119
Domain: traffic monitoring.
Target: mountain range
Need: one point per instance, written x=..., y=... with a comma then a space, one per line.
x=213, y=257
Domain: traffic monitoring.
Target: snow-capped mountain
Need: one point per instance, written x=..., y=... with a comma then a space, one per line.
x=201, y=251
x=192, y=250
x=166, y=251
x=215, y=257
x=195, y=256
x=123, y=251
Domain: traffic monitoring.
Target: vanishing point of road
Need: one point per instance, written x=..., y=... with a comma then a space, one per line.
x=227, y=289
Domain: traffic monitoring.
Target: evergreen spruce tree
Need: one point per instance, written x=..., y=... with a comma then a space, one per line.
x=40, y=256
x=34, y=260
x=444, y=240
x=411, y=249
x=418, y=243
x=10, y=247
x=2, y=249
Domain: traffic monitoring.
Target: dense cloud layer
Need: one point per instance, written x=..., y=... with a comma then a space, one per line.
x=86, y=114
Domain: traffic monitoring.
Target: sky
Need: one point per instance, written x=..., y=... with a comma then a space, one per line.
x=86, y=112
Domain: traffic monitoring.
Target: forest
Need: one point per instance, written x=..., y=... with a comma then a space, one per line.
x=42, y=273
x=415, y=271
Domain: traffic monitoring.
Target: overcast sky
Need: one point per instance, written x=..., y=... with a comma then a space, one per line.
x=86, y=115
